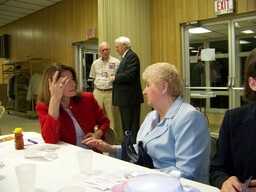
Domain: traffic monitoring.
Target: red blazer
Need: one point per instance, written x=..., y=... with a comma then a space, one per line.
x=87, y=112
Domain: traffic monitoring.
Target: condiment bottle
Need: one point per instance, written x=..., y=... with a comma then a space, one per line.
x=19, y=142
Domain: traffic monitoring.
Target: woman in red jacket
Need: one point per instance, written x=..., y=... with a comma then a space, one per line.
x=65, y=114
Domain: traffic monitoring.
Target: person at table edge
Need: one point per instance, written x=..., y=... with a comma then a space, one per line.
x=235, y=158
x=64, y=113
x=175, y=135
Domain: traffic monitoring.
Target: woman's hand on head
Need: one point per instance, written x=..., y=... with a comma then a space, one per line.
x=100, y=145
x=56, y=85
x=232, y=184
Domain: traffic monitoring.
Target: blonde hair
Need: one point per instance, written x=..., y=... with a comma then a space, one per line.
x=160, y=72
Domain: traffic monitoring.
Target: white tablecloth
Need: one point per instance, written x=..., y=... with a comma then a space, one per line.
x=63, y=171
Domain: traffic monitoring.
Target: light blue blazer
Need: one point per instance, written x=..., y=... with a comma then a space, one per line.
x=181, y=141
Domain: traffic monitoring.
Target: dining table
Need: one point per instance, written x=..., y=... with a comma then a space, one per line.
x=60, y=170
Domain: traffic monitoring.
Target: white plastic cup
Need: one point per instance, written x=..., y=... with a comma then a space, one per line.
x=26, y=176
x=71, y=189
x=84, y=160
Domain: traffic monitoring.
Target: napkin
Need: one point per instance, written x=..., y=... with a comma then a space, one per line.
x=45, y=150
x=107, y=179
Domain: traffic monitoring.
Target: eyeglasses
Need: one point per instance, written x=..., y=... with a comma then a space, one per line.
x=105, y=50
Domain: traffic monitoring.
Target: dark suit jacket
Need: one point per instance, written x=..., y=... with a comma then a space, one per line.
x=236, y=146
x=127, y=87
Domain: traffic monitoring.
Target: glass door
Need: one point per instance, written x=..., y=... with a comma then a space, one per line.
x=85, y=54
x=207, y=77
x=213, y=64
x=245, y=41
x=88, y=57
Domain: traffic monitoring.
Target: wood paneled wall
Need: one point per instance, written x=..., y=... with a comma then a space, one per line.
x=49, y=33
x=129, y=18
x=152, y=25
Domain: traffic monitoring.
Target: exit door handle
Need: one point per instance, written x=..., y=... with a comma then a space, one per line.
x=230, y=82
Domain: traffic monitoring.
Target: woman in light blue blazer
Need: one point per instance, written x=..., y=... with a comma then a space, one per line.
x=174, y=134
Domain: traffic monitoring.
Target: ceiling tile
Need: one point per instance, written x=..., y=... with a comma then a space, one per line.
x=12, y=10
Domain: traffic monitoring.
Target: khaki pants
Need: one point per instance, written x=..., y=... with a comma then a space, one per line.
x=104, y=98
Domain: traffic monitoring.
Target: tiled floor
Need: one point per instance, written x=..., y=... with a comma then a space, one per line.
x=9, y=122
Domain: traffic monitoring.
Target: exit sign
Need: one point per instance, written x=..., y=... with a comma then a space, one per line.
x=223, y=6
x=91, y=33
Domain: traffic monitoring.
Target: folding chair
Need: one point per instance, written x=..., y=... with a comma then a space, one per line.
x=110, y=136
x=2, y=109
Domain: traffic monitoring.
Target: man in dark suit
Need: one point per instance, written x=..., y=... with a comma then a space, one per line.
x=127, y=91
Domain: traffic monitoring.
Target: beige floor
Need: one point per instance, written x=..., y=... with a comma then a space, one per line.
x=10, y=121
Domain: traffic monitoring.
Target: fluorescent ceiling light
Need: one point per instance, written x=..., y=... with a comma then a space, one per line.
x=247, y=31
x=198, y=30
x=244, y=42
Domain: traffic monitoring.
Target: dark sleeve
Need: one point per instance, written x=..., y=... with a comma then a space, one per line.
x=221, y=167
x=132, y=67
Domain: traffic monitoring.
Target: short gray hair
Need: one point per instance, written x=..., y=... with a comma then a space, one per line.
x=102, y=44
x=124, y=40
x=159, y=72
